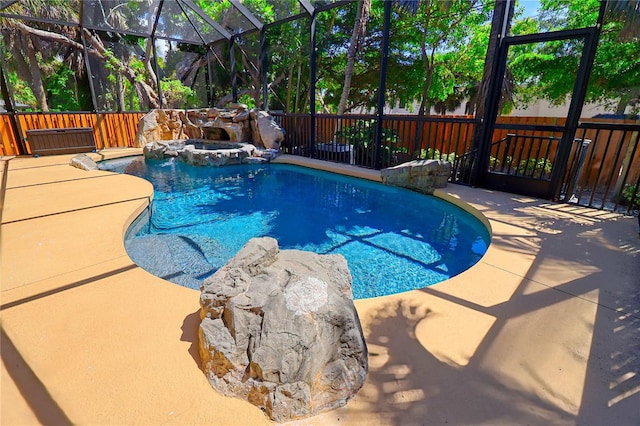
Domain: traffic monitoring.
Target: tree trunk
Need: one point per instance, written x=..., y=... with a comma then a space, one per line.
x=146, y=93
x=120, y=93
x=470, y=169
x=148, y=51
x=297, y=106
x=36, y=77
x=359, y=29
x=425, y=89
x=22, y=65
x=289, y=87
x=626, y=99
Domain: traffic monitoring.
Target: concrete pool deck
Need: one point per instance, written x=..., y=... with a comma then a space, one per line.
x=545, y=329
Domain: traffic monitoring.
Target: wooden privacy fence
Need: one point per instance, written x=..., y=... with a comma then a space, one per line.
x=110, y=129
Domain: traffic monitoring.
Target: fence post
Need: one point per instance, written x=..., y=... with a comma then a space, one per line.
x=577, y=103
x=626, y=162
x=15, y=126
x=99, y=119
x=377, y=136
x=312, y=84
x=263, y=69
x=569, y=195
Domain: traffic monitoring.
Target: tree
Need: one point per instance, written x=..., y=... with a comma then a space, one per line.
x=628, y=12
x=28, y=51
x=359, y=30
x=35, y=45
x=501, y=8
x=544, y=71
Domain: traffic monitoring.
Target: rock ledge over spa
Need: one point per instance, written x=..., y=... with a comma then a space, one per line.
x=279, y=329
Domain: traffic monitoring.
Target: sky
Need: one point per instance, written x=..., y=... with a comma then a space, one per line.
x=530, y=6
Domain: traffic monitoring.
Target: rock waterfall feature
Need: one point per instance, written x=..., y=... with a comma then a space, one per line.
x=210, y=137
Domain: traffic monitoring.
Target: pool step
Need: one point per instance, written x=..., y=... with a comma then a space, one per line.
x=175, y=258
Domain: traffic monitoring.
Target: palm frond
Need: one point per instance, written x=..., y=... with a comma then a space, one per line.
x=627, y=12
x=410, y=6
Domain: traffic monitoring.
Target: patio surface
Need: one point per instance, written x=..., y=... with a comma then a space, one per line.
x=545, y=329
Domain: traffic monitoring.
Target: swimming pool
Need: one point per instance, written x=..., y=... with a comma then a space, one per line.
x=394, y=239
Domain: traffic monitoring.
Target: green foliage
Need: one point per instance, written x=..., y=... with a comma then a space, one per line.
x=361, y=136
x=548, y=70
x=454, y=35
x=630, y=196
x=22, y=93
x=362, y=132
x=178, y=95
x=435, y=56
x=248, y=101
x=434, y=154
x=60, y=86
x=534, y=167
x=138, y=67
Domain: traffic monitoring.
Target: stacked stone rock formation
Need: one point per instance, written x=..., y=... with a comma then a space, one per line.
x=420, y=175
x=280, y=330
x=235, y=124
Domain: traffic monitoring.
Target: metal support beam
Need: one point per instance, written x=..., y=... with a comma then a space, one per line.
x=377, y=143
x=155, y=53
x=492, y=99
x=247, y=14
x=307, y=6
x=38, y=20
x=92, y=89
x=193, y=24
x=8, y=104
x=312, y=85
x=234, y=76
x=211, y=93
x=577, y=102
x=154, y=11
x=7, y=4
x=87, y=64
x=263, y=69
x=198, y=11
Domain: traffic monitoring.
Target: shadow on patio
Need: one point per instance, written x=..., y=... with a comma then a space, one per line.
x=553, y=342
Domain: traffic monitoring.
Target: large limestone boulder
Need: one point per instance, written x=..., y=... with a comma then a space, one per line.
x=83, y=162
x=266, y=130
x=160, y=125
x=280, y=330
x=419, y=175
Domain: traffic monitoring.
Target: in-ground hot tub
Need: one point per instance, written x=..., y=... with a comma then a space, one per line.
x=204, y=152
x=214, y=145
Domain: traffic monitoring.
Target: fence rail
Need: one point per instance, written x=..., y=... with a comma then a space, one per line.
x=350, y=138
x=605, y=172
x=522, y=155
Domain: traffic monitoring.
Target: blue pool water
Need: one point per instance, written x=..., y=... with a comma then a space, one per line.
x=394, y=240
